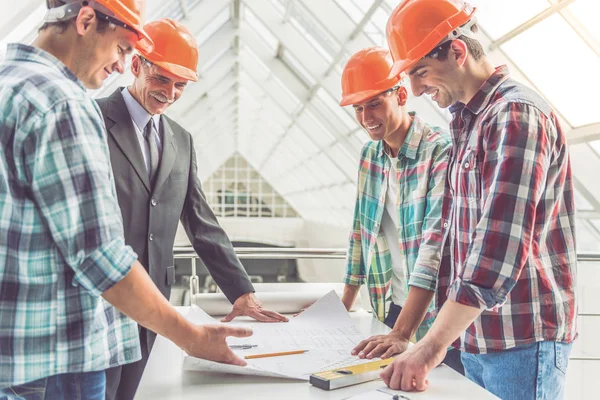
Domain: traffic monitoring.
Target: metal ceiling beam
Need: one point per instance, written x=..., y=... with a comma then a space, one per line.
x=289, y=7
x=582, y=134
x=583, y=33
x=550, y=11
x=316, y=87
x=185, y=10
x=235, y=17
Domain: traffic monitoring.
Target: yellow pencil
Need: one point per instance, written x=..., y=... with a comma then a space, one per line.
x=283, y=353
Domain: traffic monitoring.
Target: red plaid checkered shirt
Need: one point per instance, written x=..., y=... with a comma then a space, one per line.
x=509, y=219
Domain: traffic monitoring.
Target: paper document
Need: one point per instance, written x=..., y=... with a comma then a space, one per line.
x=325, y=330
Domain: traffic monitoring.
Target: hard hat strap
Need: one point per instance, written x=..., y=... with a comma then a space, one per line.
x=464, y=30
x=63, y=13
x=72, y=7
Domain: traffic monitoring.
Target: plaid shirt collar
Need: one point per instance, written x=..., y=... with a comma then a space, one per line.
x=482, y=98
x=23, y=52
x=411, y=142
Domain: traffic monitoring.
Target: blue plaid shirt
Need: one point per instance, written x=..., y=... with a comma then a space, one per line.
x=61, y=232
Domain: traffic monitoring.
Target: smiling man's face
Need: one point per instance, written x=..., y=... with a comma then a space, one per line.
x=156, y=88
x=438, y=79
x=381, y=115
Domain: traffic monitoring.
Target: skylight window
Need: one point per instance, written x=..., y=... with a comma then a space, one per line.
x=569, y=77
x=220, y=19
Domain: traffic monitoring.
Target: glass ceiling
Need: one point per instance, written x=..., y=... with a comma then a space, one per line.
x=270, y=85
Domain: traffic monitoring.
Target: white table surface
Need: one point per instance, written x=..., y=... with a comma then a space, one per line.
x=164, y=378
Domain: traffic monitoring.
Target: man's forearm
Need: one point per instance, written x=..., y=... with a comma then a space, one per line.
x=413, y=312
x=452, y=320
x=138, y=298
x=349, y=296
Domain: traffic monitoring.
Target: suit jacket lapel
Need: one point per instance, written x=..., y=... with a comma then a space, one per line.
x=123, y=131
x=169, y=152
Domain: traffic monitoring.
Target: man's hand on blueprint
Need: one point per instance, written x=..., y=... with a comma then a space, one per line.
x=408, y=371
x=212, y=345
x=247, y=304
x=383, y=346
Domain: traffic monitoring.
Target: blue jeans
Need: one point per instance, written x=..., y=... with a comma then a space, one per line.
x=535, y=371
x=80, y=386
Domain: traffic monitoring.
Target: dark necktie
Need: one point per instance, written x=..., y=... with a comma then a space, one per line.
x=153, y=150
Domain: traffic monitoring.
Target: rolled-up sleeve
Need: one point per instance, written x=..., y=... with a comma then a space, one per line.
x=68, y=170
x=516, y=142
x=425, y=272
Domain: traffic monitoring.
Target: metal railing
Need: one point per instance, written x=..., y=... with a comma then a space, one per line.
x=271, y=253
x=285, y=253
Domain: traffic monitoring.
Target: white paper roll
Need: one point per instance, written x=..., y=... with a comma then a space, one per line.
x=285, y=298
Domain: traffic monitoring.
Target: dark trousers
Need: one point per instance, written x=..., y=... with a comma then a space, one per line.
x=122, y=381
x=72, y=386
x=452, y=358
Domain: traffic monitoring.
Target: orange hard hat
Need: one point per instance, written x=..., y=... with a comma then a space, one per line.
x=125, y=13
x=366, y=74
x=175, y=48
x=417, y=26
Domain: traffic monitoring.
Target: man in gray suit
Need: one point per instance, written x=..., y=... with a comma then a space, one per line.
x=154, y=164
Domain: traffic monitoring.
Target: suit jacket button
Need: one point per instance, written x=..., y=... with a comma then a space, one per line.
x=153, y=202
x=151, y=237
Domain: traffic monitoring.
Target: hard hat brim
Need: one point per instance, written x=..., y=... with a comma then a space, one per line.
x=359, y=97
x=178, y=70
x=400, y=68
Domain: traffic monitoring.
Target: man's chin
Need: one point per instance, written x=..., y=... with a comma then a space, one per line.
x=159, y=110
x=93, y=83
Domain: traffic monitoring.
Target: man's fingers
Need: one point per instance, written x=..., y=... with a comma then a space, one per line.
x=379, y=350
x=235, y=360
x=229, y=317
x=261, y=316
x=275, y=315
x=407, y=383
x=421, y=383
x=360, y=346
x=237, y=331
x=396, y=378
x=368, y=348
x=386, y=374
x=267, y=316
x=390, y=352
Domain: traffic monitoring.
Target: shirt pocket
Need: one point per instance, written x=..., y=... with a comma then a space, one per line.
x=469, y=177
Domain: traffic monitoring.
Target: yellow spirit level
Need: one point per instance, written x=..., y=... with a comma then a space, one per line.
x=350, y=375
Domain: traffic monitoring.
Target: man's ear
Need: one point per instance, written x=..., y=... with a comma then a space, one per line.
x=136, y=65
x=402, y=96
x=459, y=51
x=85, y=20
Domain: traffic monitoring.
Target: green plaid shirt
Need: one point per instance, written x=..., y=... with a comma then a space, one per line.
x=62, y=240
x=421, y=172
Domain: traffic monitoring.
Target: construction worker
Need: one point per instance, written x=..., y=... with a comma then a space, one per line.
x=154, y=165
x=395, y=243
x=63, y=243
x=509, y=218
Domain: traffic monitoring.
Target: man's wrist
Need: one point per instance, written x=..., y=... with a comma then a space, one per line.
x=402, y=333
x=189, y=337
x=432, y=342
